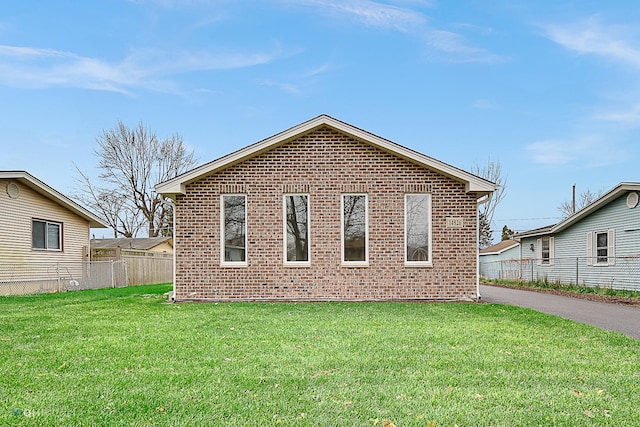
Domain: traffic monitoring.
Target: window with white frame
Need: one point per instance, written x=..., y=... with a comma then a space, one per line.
x=355, y=225
x=46, y=235
x=417, y=229
x=233, y=229
x=296, y=229
x=545, y=251
x=601, y=247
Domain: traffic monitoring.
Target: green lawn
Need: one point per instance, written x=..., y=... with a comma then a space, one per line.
x=123, y=357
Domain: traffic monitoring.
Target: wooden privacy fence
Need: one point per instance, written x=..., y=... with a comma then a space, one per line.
x=143, y=267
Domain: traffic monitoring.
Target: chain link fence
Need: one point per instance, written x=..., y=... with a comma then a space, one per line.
x=621, y=273
x=33, y=278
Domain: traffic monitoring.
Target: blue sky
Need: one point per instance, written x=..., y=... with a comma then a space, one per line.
x=549, y=89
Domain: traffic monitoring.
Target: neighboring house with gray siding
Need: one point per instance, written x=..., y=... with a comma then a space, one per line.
x=597, y=246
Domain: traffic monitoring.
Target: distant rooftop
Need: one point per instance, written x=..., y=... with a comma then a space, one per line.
x=141, y=243
x=499, y=247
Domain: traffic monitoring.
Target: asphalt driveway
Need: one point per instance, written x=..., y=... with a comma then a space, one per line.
x=611, y=317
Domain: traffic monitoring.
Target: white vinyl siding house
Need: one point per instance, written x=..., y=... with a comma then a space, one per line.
x=62, y=227
x=598, y=245
x=43, y=232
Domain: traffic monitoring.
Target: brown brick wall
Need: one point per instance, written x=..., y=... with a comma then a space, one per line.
x=328, y=164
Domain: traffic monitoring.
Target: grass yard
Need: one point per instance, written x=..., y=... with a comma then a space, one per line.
x=123, y=357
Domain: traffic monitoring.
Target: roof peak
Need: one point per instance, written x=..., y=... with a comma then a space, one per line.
x=473, y=183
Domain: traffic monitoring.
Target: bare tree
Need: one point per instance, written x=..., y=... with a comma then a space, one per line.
x=492, y=171
x=586, y=197
x=111, y=206
x=132, y=162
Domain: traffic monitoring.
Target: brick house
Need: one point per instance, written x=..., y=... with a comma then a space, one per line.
x=326, y=211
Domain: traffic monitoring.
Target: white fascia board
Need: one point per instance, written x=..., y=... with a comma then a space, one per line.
x=43, y=189
x=498, y=252
x=602, y=201
x=473, y=183
x=177, y=185
x=508, y=248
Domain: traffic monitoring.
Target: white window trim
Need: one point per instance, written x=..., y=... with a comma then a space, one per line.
x=428, y=263
x=595, y=248
x=539, y=260
x=224, y=263
x=364, y=263
x=286, y=262
x=592, y=248
x=46, y=235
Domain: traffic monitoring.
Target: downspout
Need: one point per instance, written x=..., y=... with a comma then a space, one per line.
x=481, y=201
x=173, y=236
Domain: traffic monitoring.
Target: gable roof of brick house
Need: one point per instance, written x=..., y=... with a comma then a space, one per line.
x=473, y=183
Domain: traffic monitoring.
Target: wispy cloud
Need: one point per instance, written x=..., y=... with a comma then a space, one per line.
x=402, y=18
x=321, y=69
x=286, y=87
x=592, y=37
x=618, y=45
x=147, y=69
x=484, y=104
x=457, y=47
x=370, y=13
x=584, y=151
x=628, y=117
x=550, y=152
x=299, y=83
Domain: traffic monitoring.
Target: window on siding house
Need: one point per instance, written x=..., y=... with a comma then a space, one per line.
x=46, y=235
x=601, y=248
x=355, y=238
x=545, y=251
x=296, y=228
x=417, y=214
x=233, y=231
